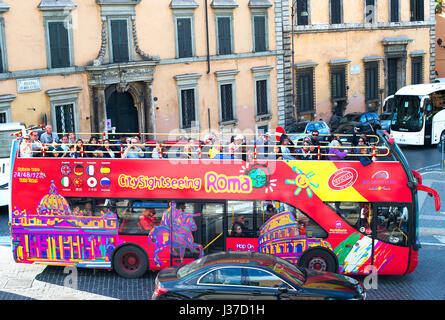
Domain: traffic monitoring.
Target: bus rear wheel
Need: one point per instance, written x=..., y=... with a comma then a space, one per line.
x=319, y=260
x=130, y=262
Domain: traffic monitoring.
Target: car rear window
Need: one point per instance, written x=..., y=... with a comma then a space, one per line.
x=190, y=268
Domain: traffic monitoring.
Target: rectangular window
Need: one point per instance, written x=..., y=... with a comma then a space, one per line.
x=417, y=10
x=226, y=102
x=305, y=90
x=302, y=13
x=259, y=24
x=372, y=80
x=261, y=97
x=338, y=83
x=1, y=59
x=59, y=44
x=417, y=70
x=224, y=35
x=394, y=11
x=65, y=118
x=3, y=117
x=119, y=39
x=336, y=11
x=188, y=107
x=184, y=33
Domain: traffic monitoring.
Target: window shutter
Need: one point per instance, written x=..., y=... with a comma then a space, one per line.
x=226, y=102
x=58, y=45
x=394, y=10
x=119, y=38
x=224, y=35
x=302, y=7
x=371, y=81
x=260, y=33
x=305, y=90
x=261, y=96
x=335, y=11
x=1, y=60
x=188, y=107
x=184, y=37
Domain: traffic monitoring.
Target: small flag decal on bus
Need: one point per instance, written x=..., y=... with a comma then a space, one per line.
x=91, y=170
x=65, y=182
x=105, y=170
x=78, y=170
x=105, y=182
x=78, y=182
x=65, y=170
x=91, y=182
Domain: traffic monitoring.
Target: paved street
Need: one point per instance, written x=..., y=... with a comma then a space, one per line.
x=23, y=282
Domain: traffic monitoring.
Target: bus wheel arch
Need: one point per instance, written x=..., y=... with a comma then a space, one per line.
x=130, y=261
x=319, y=259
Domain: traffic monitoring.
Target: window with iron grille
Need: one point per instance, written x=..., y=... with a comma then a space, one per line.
x=188, y=107
x=65, y=118
x=226, y=102
x=302, y=12
x=394, y=10
x=59, y=47
x=261, y=97
x=305, y=89
x=259, y=26
x=338, y=82
x=224, y=35
x=184, y=34
x=119, y=41
x=336, y=11
x=417, y=10
x=416, y=70
x=370, y=11
x=371, y=81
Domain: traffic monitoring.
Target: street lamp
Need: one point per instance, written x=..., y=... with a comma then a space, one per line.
x=295, y=113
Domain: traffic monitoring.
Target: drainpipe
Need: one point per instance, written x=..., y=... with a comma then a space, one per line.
x=207, y=34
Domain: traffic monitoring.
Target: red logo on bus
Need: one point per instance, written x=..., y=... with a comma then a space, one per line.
x=342, y=179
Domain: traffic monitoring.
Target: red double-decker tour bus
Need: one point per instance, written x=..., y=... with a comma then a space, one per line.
x=135, y=214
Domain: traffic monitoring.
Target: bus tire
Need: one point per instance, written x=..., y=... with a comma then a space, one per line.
x=319, y=259
x=130, y=262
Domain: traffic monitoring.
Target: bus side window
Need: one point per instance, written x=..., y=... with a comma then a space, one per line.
x=349, y=211
x=240, y=214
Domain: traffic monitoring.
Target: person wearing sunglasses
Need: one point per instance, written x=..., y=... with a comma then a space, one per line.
x=364, y=153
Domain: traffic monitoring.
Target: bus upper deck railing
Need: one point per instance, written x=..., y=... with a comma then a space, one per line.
x=188, y=148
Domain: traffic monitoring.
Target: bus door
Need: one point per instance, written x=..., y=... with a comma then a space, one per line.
x=390, y=229
x=427, y=107
x=210, y=227
x=199, y=232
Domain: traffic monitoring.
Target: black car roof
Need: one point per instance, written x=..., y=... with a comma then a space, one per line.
x=239, y=257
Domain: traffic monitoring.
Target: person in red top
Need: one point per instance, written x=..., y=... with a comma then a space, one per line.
x=147, y=220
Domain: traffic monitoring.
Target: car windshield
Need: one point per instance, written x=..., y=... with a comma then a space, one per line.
x=347, y=128
x=350, y=117
x=297, y=127
x=191, y=267
x=407, y=116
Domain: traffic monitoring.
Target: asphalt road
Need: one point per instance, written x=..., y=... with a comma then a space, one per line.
x=25, y=282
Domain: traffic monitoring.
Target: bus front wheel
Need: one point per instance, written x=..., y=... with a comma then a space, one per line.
x=319, y=260
x=130, y=262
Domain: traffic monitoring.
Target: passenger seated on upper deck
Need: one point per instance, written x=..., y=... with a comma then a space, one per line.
x=133, y=151
x=286, y=149
x=365, y=158
x=305, y=153
x=335, y=153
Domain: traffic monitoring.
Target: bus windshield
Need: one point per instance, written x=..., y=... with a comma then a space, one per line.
x=407, y=116
x=6, y=140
